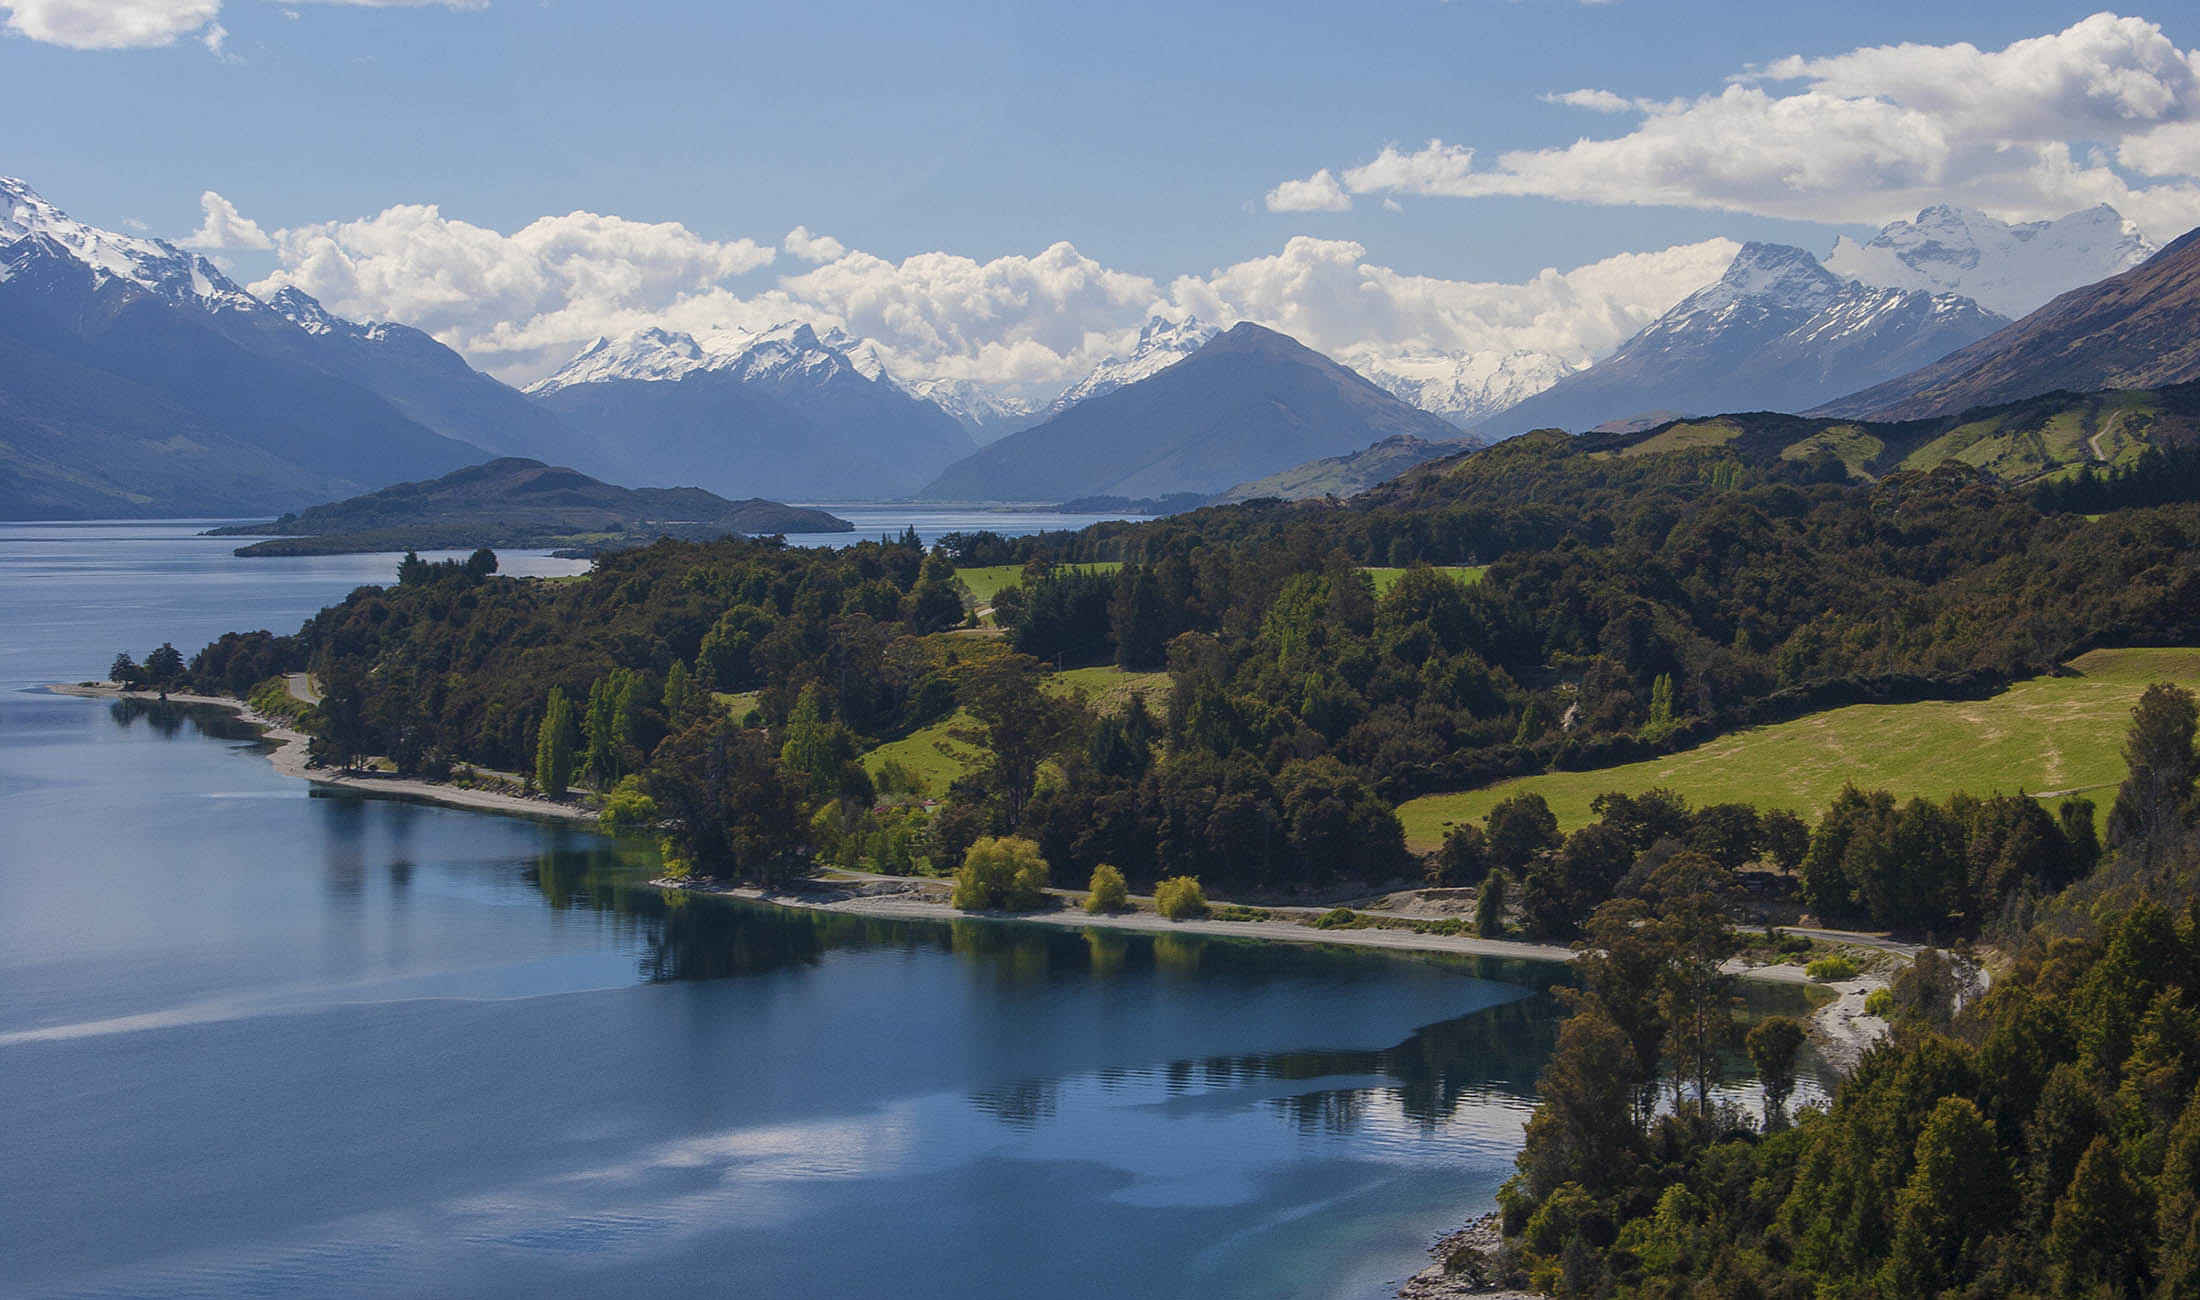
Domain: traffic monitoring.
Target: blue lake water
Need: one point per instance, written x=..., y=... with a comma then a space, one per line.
x=258, y=1039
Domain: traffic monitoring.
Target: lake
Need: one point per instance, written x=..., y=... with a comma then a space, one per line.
x=260, y=1039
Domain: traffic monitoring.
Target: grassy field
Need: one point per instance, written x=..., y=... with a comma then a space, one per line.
x=984, y=582
x=931, y=753
x=1386, y=576
x=2046, y=735
x=737, y=706
x=1108, y=689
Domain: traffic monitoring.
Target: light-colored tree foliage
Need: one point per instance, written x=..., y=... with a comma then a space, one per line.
x=1109, y=891
x=1180, y=898
x=1004, y=873
x=554, y=746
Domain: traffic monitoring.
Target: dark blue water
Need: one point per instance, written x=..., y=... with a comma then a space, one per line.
x=258, y=1040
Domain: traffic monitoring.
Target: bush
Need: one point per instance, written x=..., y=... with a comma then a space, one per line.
x=1833, y=966
x=1001, y=874
x=1180, y=898
x=1879, y=1002
x=628, y=809
x=1336, y=918
x=1110, y=893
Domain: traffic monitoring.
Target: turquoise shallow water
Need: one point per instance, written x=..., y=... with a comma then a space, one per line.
x=255, y=1040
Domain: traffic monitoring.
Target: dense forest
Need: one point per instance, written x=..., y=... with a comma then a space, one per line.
x=1631, y=605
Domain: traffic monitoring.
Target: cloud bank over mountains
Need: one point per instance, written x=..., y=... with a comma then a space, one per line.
x=520, y=304
x=2105, y=111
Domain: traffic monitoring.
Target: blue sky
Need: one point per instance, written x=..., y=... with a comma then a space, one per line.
x=1146, y=135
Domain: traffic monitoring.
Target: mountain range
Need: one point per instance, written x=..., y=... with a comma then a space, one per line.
x=2140, y=329
x=1776, y=332
x=1248, y=403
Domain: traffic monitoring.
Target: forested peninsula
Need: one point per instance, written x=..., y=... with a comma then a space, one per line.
x=1235, y=700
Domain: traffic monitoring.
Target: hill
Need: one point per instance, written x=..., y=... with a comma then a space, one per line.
x=2140, y=329
x=519, y=502
x=1346, y=475
x=1247, y=404
x=2051, y=735
x=1776, y=332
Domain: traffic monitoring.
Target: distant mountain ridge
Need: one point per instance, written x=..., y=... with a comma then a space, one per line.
x=2140, y=329
x=515, y=501
x=1777, y=331
x=1247, y=404
x=1161, y=343
x=1349, y=474
x=782, y=412
x=2011, y=270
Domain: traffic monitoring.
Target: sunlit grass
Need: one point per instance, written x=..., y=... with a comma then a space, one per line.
x=2048, y=734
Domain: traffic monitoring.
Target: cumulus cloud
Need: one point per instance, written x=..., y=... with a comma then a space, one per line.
x=520, y=304
x=2098, y=112
x=1317, y=193
x=109, y=24
x=518, y=300
x=801, y=244
x=223, y=227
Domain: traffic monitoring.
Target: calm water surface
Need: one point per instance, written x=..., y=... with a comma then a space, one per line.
x=258, y=1040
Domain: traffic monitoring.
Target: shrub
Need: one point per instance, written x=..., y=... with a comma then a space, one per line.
x=1180, y=898
x=1336, y=918
x=1833, y=966
x=1004, y=873
x=1110, y=893
x=1879, y=1002
x=628, y=809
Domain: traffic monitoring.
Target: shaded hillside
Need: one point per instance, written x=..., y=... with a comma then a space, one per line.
x=1343, y=476
x=519, y=502
x=1250, y=403
x=2140, y=329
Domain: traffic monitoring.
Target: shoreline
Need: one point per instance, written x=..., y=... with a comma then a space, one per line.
x=1838, y=1028
x=289, y=758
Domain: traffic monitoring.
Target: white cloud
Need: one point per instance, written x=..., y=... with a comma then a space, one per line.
x=109, y=24
x=514, y=301
x=223, y=227
x=1317, y=193
x=2097, y=112
x=1596, y=101
x=800, y=243
x=147, y=24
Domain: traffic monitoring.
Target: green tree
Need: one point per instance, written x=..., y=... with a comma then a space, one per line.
x=612, y=725
x=1959, y=1193
x=1464, y=860
x=2091, y=1242
x=1583, y=1130
x=681, y=694
x=554, y=746
x=1773, y=1044
x=1518, y=828
x=1688, y=892
x=936, y=603
x=164, y=667
x=1489, y=907
x=1024, y=726
x=1109, y=892
x=1141, y=620
x=729, y=808
x=125, y=671
x=2153, y=805
x=815, y=747
x=629, y=809
x=1004, y=873
x=1180, y=898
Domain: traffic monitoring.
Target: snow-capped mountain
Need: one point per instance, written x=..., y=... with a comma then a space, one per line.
x=987, y=412
x=1776, y=332
x=2009, y=269
x=1464, y=389
x=136, y=378
x=154, y=265
x=782, y=412
x=1161, y=344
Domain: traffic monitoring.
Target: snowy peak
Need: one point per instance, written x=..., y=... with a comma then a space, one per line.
x=646, y=354
x=154, y=265
x=987, y=413
x=306, y=312
x=1161, y=344
x=1467, y=387
x=2009, y=269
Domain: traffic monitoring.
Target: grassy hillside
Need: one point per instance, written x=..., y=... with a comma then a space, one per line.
x=984, y=582
x=932, y=753
x=1108, y=689
x=1386, y=576
x=2049, y=734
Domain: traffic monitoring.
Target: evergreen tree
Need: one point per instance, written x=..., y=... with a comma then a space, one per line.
x=1773, y=1044
x=1140, y=621
x=936, y=604
x=2153, y=803
x=681, y=694
x=1958, y=1194
x=125, y=671
x=2091, y=1242
x=554, y=746
x=164, y=667
x=1489, y=907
